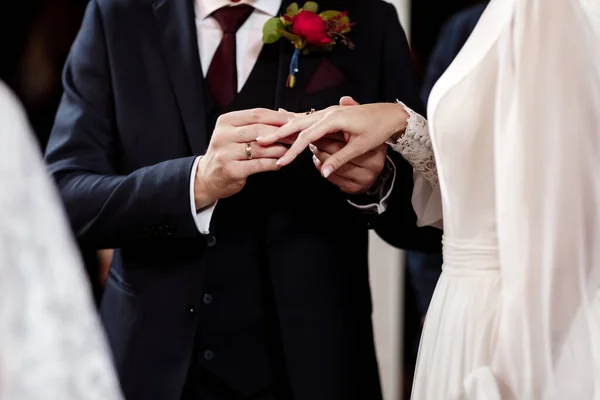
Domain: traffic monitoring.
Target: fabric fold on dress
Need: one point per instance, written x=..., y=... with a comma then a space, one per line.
x=547, y=163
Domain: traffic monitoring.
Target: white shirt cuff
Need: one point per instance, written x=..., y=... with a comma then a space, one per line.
x=203, y=217
x=382, y=205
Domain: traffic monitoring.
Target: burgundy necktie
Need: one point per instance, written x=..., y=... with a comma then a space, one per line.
x=222, y=73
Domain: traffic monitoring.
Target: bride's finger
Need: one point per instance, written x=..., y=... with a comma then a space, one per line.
x=353, y=149
x=298, y=124
x=288, y=141
x=321, y=156
x=311, y=134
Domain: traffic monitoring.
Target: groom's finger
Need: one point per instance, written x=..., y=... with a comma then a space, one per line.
x=332, y=146
x=348, y=101
x=255, y=116
x=249, y=133
x=258, y=151
x=346, y=184
x=256, y=166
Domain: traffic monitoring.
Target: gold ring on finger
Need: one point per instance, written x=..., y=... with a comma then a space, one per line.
x=249, y=150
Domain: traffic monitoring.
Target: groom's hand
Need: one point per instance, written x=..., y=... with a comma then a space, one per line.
x=233, y=154
x=360, y=174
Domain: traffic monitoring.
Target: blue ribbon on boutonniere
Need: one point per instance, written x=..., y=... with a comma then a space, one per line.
x=308, y=31
x=291, y=80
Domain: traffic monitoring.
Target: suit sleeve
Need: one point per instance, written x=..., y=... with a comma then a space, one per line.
x=452, y=38
x=398, y=225
x=108, y=209
x=442, y=55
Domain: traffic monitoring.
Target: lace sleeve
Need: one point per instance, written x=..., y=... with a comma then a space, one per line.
x=415, y=146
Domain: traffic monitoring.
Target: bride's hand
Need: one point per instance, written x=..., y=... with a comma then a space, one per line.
x=365, y=126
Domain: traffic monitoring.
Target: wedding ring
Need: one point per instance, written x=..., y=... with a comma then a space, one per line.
x=249, y=150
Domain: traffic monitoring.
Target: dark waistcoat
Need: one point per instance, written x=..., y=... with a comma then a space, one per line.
x=238, y=339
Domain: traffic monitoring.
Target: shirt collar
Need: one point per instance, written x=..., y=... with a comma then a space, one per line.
x=205, y=8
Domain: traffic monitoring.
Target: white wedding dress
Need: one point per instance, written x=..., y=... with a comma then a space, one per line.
x=51, y=342
x=515, y=128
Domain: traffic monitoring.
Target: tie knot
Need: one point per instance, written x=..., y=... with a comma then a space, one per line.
x=232, y=18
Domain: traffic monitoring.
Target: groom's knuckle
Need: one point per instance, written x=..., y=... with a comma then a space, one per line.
x=217, y=139
x=264, y=164
x=223, y=119
x=257, y=114
x=370, y=176
x=221, y=135
x=228, y=170
x=258, y=152
x=256, y=130
x=340, y=160
x=352, y=188
x=379, y=163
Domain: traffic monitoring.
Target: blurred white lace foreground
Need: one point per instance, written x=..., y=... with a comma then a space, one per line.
x=51, y=342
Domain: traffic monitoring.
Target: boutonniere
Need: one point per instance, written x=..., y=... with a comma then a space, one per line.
x=309, y=31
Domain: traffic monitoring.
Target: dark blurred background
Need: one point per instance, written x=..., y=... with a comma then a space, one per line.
x=35, y=38
x=427, y=18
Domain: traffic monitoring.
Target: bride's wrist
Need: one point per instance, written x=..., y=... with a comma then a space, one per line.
x=399, y=124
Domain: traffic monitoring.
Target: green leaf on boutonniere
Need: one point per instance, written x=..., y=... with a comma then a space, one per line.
x=311, y=6
x=292, y=9
x=326, y=15
x=297, y=40
x=340, y=24
x=272, y=30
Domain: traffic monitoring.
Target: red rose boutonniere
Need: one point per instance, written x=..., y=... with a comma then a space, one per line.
x=308, y=31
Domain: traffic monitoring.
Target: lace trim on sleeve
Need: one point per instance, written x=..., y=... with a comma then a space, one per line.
x=415, y=146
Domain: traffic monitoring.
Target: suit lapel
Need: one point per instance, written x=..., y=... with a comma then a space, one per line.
x=175, y=21
x=291, y=98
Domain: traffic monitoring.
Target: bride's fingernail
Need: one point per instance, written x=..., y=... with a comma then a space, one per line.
x=312, y=147
x=260, y=139
x=327, y=171
x=280, y=161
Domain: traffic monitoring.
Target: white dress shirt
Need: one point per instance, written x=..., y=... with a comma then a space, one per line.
x=248, y=45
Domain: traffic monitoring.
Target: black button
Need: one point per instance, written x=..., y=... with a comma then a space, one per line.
x=207, y=298
x=211, y=240
x=208, y=355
